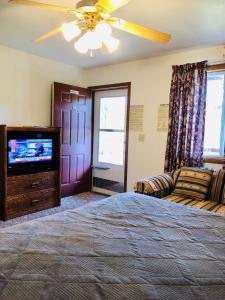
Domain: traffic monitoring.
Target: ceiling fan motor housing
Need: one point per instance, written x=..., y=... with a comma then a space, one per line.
x=89, y=13
x=86, y=3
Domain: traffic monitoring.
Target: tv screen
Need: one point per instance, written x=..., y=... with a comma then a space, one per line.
x=22, y=151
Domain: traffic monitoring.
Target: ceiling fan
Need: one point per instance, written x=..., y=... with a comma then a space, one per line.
x=93, y=16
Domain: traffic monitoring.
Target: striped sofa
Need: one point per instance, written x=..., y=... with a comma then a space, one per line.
x=165, y=187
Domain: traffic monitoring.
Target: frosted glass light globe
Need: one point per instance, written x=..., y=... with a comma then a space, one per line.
x=70, y=31
x=81, y=47
x=91, y=40
x=103, y=30
x=111, y=43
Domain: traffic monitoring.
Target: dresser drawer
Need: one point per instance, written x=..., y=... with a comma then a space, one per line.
x=31, y=202
x=33, y=182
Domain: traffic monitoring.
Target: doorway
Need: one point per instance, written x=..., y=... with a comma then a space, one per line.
x=110, y=139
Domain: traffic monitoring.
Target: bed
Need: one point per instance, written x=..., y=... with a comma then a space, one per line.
x=128, y=246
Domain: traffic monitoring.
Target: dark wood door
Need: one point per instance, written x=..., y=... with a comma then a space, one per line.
x=72, y=109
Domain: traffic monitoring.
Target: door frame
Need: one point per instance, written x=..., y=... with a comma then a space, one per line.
x=115, y=86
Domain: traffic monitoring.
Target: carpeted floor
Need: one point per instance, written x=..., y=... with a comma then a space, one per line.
x=66, y=204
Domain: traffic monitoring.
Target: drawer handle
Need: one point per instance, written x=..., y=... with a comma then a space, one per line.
x=35, y=201
x=35, y=184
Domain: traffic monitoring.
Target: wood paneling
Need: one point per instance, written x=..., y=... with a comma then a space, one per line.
x=218, y=67
x=79, y=167
x=73, y=176
x=110, y=86
x=214, y=160
x=81, y=121
x=66, y=125
x=82, y=100
x=3, y=169
x=65, y=97
x=65, y=169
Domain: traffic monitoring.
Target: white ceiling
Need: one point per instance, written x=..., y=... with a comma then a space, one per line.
x=192, y=23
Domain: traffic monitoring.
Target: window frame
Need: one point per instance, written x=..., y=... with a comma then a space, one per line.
x=106, y=165
x=218, y=159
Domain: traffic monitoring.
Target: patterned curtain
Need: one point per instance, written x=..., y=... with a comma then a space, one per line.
x=186, y=116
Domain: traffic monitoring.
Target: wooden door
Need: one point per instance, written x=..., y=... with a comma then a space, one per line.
x=72, y=110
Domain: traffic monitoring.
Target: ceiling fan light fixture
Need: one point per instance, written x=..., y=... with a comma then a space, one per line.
x=92, y=40
x=70, y=31
x=103, y=30
x=95, y=17
x=111, y=43
x=80, y=47
x=79, y=15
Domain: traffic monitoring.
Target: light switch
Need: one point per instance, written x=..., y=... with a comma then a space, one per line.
x=141, y=137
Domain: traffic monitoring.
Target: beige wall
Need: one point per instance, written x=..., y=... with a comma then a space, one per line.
x=25, y=99
x=25, y=81
x=150, y=86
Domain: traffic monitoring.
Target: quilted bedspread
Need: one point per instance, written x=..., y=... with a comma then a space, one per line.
x=128, y=246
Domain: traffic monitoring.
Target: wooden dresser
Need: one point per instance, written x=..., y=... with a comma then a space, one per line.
x=27, y=193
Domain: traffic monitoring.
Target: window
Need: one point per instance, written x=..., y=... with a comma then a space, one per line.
x=215, y=115
x=112, y=130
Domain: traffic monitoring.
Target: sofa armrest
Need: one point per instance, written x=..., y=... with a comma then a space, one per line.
x=157, y=186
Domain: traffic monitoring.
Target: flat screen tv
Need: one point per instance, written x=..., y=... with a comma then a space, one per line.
x=29, y=152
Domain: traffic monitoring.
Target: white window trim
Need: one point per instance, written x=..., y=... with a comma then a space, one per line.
x=220, y=68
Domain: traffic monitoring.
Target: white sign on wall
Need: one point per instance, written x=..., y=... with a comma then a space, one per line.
x=163, y=115
x=136, y=118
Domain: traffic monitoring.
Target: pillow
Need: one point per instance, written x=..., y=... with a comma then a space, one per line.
x=217, y=186
x=193, y=183
x=156, y=186
x=223, y=196
x=174, y=174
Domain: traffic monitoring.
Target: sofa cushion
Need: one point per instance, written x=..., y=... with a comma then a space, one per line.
x=174, y=174
x=180, y=199
x=193, y=183
x=157, y=186
x=223, y=194
x=206, y=205
x=219, y=209
x=187, y=201
x=217, y=186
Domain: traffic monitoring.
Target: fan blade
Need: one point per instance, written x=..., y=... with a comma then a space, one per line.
x=111, y=5
x=47, y=35
x=40, y=5
x=139, y=30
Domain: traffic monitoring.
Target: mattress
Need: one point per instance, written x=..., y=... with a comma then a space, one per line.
x=128, y=246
